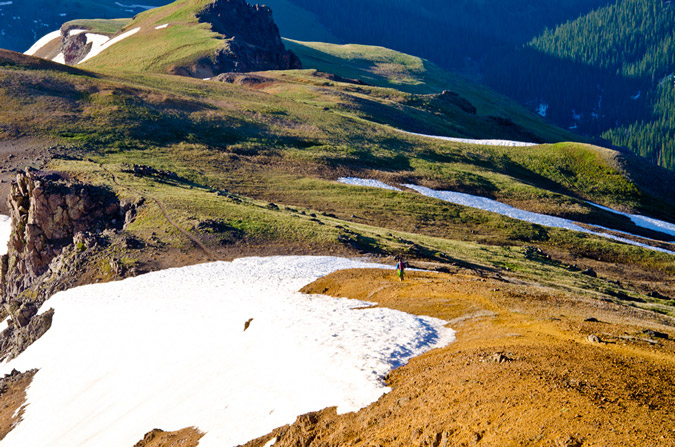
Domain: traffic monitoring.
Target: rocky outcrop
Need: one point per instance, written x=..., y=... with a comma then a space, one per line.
x=15, y=339
x=47, y=211
x=58, y=224
x=74, y=46
x=252, y=39
x=307, y=431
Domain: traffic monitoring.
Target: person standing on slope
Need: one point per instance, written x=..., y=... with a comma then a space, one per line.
x=400, y=269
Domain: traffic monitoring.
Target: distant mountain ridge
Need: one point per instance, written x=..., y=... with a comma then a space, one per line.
x=189, y=38
x=592, y=66
x=606, y=58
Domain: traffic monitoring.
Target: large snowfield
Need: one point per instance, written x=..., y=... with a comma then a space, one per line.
x=168, y=350
x=485, y=204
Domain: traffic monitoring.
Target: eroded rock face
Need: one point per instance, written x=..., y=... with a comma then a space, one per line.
x=56, y=224
x=74, y=47
x=47, y=211
x=15, y=339
x=253, y=40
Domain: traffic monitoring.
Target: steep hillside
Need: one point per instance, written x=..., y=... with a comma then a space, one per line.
x=198, y=38
x=610, y=83
x=606, y=59
x=387, y=68
x=284, y=137
x=189, y=37
x=633, y=41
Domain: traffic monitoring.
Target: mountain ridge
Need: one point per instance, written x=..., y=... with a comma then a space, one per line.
x=338, y=160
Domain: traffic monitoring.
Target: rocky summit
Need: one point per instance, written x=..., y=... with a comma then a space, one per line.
x=253, y=40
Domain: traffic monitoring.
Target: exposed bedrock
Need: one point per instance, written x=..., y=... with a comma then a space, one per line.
x=47, y=211
x=74, y=46
x=252, y=38
x=56, y=223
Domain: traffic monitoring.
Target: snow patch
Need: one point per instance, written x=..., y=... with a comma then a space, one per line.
x=5, y=232
x=101, y=43
x=76, y=31
x=542, y=109
x=44, y=40
x=470, y=141
x=162, y=26
x=60, y=59
x=643, y=221
x=168, y=349
x=637, y=95
x=146, y=7
x=6, y=3
x=494, y=206
x=367, y=182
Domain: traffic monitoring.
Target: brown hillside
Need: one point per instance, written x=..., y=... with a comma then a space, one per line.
x=523, y=371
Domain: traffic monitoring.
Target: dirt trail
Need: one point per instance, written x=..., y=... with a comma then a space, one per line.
x=209, y=254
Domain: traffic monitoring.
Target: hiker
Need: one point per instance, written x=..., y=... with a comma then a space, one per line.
x=400, y=269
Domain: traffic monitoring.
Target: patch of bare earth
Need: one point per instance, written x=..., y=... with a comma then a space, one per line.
x=187, y=437
x=12, y=399
x=531, y=366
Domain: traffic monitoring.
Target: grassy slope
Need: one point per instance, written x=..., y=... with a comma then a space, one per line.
x=108, y=27
x=388, y=68
x=183, y=42
x=266, y=145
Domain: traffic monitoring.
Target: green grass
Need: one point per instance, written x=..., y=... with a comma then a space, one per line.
x=383, y=67
x=253, y=221
x=106, y=27
x=184, y=42
x=279, y=144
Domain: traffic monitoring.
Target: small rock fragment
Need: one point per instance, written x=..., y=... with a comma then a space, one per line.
x=593, y=339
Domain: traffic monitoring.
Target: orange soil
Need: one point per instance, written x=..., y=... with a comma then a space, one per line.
x=521, y=372
x=12, y=399
x=187, y=437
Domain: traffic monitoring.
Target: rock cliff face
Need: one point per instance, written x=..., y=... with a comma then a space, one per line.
x=253, y=40
x=55, y=222
x=47, y=211
x=74, y=47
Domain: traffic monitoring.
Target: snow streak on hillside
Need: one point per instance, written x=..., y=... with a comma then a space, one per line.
x=169, y=350
x=485, y=204
x=367, y=182
x=44, y=40
x=470, y=141
x=100, y=43
x=527, y=216
x=643, y=221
